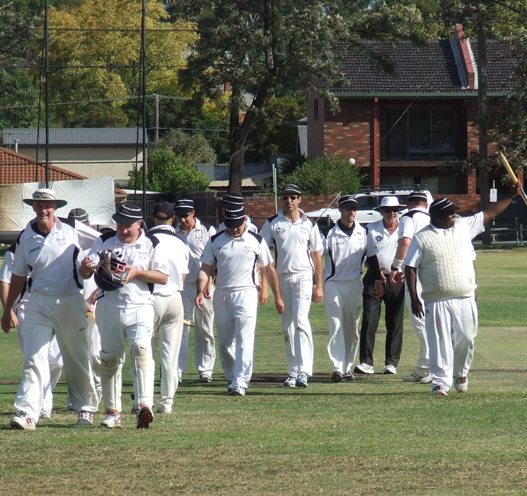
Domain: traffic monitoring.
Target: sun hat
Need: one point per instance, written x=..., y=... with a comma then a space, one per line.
x=390, y=202
x=45, y=194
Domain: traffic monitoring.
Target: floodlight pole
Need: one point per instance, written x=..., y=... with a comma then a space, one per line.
x=143, y=96
x=46, y=92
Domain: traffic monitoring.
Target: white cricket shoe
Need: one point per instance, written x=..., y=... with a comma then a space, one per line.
x=112, y=421
x=164, y=408
x=21, y=421
x=420, y=379
x=238, y=391
x=302, y=380
x=390, y=369
x=290, y=382
x=439, y=391
x=84, y=419
x=205, y=378
x=461, y=384
x=364, y=368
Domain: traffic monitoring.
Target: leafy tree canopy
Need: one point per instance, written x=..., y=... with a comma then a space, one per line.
x=326, y=175
x=169, y=172
x=104, y=64
x=193, y=147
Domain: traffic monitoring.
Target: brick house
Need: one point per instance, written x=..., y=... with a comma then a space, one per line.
x=412, y=125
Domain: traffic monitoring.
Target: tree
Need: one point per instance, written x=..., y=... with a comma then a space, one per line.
x=326, y=175
x=170, y=172
x=193, y=147
x=101, y=67
x=259, y=48
x=266, y=48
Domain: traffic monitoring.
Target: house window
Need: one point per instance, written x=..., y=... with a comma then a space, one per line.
x=419, y=133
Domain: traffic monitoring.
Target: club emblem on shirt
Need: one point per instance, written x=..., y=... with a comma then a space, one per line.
x=378, y=238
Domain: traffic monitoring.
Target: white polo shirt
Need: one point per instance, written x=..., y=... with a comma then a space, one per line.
x=293, y=242
x=382, y=244
x=177, y=260
x=51, y=259
x=195, y=239
x=236, y=259
x=343, y=253
x=144, y=256
x=413, y=221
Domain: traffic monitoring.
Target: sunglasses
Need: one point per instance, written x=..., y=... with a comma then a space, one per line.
x=289, y=197
x=183, y=216
x=389, y=210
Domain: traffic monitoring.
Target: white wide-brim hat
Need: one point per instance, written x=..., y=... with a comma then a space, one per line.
x=45, y=194
x=390, y=202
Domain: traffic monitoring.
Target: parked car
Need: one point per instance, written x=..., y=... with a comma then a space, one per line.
x=367, y=201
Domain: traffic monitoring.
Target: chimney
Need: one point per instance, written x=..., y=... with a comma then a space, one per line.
x=464, y=57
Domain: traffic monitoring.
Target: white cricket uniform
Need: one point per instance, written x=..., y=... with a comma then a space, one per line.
x=444, y=261
x=50, y=374
x=343, y=256
x=410, y=223
x=128, y=312
x=205, y=353
x=294, y=242
x=55, y=306
x=168, y=310
x=236, y=299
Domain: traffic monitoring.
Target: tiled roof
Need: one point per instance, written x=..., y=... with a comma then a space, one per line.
x=75, y=136
x=428, y=69
x=17, y=168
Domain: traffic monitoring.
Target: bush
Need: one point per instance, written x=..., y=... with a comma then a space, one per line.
x=325, y=175
x=194, y=147
x=168, y=172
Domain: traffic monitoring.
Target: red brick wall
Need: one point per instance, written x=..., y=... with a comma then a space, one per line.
x=348, y=133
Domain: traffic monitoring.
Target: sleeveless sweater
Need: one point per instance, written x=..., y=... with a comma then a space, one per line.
x=447, y=269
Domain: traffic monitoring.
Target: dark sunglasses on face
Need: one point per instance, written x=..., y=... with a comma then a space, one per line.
x=183, y=216
x=389, y=210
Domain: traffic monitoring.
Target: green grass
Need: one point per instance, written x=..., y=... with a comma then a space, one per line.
x=376, y=436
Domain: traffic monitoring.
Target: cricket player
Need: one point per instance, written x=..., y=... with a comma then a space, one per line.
x=441, y=255
x=47, y=251
x=233, y=255
x=344, y=249
x=168, y=305
x=410, y=223
x=298, y=248
x=196, y=234
x=127, y=312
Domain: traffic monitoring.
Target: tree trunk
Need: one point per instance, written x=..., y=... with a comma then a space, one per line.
x=236, y=144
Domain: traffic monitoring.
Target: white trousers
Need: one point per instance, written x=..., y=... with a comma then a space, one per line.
x=168, y=326
x=64, y=317
x=343, y=305
x=451, y=327
x=235, y=313
x=50, y=374
x=135, y=325
x=296, y=291
x=418, y=323
x=205, y=352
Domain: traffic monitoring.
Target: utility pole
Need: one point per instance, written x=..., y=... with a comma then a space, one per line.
x=156, y=107
x=483, y=118
x=46, y=91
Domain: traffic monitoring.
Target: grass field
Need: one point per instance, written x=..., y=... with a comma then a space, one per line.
x=376, y=436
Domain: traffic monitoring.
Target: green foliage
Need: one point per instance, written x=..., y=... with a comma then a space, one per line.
x=276, y=131
x=326, y=175
x=102, y=66
x=193, y=147
x=17, y=91
x=168, y=172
